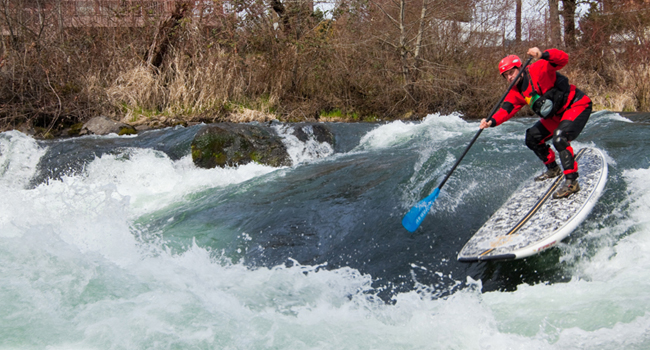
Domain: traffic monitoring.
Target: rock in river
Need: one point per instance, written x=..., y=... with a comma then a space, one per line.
x=320, y=132
x=103, y=126
x=230, y=144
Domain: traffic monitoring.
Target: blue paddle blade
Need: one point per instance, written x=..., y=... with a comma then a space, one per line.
x=414, y=217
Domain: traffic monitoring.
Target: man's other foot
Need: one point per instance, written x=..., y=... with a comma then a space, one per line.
x=569, y=187
x=549, y=174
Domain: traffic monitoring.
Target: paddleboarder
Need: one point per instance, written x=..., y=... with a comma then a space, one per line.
x=563, y=110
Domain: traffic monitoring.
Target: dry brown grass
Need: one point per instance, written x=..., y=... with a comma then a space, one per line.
x=241, y=71
x=604, y=97
x=245, y=115
x=630, y=92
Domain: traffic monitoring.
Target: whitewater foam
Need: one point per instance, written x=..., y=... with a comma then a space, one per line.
x=19, y=155
x=435, y=127
x=303, y=151
x=75, y=273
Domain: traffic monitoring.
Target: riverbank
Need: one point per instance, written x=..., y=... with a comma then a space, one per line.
x=146, y=100
x=154, y=122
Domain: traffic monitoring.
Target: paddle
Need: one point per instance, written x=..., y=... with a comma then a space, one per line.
x=414, y=217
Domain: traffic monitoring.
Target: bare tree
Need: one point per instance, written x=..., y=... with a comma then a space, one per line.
x=294, y=15
x=518, y=21
x=25, y=19
x=568, y=14
x=554, y=19
x=166, y=32
x=407, y=45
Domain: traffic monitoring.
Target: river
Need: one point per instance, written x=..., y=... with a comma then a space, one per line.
x=111, y=242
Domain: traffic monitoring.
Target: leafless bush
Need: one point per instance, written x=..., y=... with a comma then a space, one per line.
x=204, y=60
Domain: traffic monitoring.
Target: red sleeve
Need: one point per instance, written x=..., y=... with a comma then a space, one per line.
x=542, y=73
x=510, y=106
x=557, y=58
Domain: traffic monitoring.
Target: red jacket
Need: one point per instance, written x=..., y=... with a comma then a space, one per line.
x=539, y=77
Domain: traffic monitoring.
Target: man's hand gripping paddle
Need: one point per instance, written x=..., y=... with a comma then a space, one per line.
x=414, y=217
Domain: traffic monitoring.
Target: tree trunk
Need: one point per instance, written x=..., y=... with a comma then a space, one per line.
x=281, y=11
x=418, y=41
x=554, y=14
x=166, y=33
x=568, y=13
x=404, y=52
x=59, y=18
x=518, y=22
x=10, y=24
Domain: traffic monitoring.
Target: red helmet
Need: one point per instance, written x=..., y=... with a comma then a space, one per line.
x=508, y=63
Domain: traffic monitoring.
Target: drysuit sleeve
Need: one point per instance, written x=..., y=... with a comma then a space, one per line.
x=557, y=58
x=510, y=106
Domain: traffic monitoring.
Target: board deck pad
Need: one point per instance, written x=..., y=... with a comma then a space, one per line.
x=531, y=220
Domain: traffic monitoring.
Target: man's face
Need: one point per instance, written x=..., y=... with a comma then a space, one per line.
x=510, y=74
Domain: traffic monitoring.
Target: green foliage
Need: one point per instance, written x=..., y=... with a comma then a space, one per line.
x=335, y=113
x=256, y=157
x=372, y=118
x=138, y=112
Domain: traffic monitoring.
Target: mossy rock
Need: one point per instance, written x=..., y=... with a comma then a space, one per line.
x=75, y=129
x=229, y=144
x=127, y=130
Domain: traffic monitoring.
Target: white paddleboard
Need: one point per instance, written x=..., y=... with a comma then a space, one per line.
x=531, y=220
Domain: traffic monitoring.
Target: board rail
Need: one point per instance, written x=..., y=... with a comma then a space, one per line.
x=488, y=253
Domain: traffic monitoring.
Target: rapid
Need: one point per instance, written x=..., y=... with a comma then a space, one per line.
x=111, y=242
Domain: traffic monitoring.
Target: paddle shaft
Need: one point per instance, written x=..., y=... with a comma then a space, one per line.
x=481, y=130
